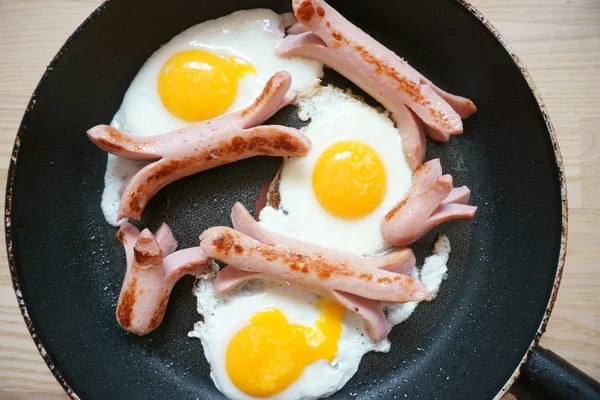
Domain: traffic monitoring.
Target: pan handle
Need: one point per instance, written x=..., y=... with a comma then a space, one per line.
x=548, y=376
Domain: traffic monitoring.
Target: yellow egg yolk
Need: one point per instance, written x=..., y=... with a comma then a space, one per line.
x=349, y=179
x=196, y=85
x=268, y=355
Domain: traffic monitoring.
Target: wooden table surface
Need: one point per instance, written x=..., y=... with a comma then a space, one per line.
x=559, y=42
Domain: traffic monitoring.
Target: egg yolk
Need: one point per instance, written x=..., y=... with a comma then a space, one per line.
x=268, y=355
x=349, y=179
x=196, y=85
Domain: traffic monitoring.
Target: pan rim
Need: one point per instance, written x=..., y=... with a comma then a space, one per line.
x=563, y=193
x=474, y=11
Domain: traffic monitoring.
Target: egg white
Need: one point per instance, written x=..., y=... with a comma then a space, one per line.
x=336, y=116
x=251, y=35
x=227, y=315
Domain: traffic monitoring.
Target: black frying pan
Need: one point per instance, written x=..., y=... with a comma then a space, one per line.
x=471, y=342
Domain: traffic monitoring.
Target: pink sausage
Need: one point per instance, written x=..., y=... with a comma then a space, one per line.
x=431, y=201
x=203, y=145
x=356, y=282
x=330, y=38
x=150, y=276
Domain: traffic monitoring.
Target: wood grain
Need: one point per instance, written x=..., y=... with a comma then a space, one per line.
x=559, y=42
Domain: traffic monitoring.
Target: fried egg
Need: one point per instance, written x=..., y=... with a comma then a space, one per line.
x=354, y=174
x=213, y=68
x=270, y=340
x=274, y=341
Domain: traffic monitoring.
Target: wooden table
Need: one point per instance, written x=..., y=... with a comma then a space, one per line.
x=559, y=42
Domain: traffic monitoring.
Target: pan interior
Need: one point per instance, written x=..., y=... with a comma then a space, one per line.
x=70, y=265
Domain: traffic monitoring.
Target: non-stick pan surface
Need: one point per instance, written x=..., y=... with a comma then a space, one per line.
x=68, y=266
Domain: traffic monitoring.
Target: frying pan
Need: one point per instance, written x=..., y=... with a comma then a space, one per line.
x=473, y=341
